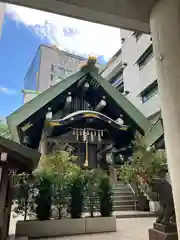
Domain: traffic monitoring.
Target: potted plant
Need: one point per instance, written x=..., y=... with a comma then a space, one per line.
x=152, y=198
x=107, y=222
x=62, y=183
x=105, y=197
x=23, y=193
x=91, y=190
x=44, y=199
x=77, y=195
x=144, y=165
x=58, y=166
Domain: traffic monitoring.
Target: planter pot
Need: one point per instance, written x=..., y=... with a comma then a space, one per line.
x=50, y=228
x=142, y=203
x=100, y=224
x=65, y=227
x=154, y=206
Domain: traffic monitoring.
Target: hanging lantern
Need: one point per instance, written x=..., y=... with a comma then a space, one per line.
x=101, y=133
x=77, y=134
x=92, y=136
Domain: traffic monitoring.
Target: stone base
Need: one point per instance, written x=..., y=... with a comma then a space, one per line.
x=165, y=228
x=163, y=232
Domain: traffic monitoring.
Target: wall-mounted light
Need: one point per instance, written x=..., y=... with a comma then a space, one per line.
x=100, y=105
x=120, y=121
x=49, y=114
x=86, y=85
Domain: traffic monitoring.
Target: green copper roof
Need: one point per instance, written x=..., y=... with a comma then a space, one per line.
x=45, y=98
x=38, y=102
x=22, y=156
x=124, y=104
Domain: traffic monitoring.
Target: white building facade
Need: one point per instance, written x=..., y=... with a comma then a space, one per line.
x=132, y=70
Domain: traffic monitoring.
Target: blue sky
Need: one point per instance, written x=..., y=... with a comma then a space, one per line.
x=23, y=34
x=17, y=48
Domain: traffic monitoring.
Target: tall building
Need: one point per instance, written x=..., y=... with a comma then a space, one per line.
x=2, y=11
x=132, y=71
x=49, y=66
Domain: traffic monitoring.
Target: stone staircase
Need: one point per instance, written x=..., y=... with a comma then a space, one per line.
x=123, y=198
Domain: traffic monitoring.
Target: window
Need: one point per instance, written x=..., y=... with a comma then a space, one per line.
x=145, y=57
x=61, y=72
x=52, y=77
x=120, y=88
x=117, y=82
x=52, y=68
x=117, y=78
x=149, y=92
x=32, y=78
x=68, y=72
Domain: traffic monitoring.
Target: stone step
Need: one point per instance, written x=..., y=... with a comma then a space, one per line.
x=123, y=208
x=120, y=186
x=122, y=193
x=133, y=214
x=121, y=190
x=122, y=197
x=125, y=202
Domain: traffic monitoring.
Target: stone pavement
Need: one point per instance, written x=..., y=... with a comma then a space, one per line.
x=127, y=229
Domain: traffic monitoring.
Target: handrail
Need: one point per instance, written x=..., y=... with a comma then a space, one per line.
x=134, y=193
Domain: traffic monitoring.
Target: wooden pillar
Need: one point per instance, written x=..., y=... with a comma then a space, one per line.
x=3, y=197
x=8, y=205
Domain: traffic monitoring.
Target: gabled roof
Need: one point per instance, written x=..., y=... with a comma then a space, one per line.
x=137, y=117
x=31, y=107
x=36, y=109
x=22, y=157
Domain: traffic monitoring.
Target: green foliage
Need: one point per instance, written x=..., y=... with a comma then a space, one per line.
x=92, y=178
x=58, y=167
x=58, y=184
x=23, y=189
x=105, y=196
x=145, y=164
x=4, y=130
x=77, y=194
x=43, y=200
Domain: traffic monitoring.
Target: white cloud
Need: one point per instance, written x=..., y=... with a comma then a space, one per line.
x=84, y=38
x=7, y=91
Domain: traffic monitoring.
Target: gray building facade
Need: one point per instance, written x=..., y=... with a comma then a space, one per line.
x=132, y=70
x=49, y=66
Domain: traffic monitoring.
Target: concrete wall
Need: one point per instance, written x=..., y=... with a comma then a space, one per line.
x=29, y=96
x=135, y=79
x=2, y=11
x=127, y=14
